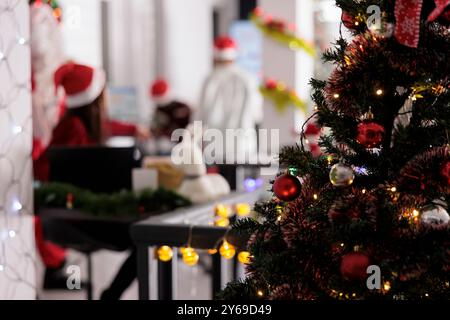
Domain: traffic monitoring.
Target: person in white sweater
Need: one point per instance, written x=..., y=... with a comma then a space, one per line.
x=231, y=100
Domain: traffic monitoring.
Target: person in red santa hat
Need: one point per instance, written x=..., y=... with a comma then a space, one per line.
x=84, y=123
x=169, y=115
x=231, y=100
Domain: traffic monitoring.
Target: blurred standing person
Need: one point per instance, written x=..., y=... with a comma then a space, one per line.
x=231, y=100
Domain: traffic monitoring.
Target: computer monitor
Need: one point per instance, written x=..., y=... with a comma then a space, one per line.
x=99, y=169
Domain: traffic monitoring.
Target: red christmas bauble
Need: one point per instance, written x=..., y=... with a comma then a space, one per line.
x=312, y=129
x=445, y=171
x=287, y=187
x=348, y=20
x=370, y=134
x=354, y=266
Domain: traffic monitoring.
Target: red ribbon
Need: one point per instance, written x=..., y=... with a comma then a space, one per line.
x=407, y=17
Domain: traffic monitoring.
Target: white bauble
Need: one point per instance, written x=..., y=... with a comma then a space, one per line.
x=434, y=216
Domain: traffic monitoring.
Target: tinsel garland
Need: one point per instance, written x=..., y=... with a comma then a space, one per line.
x=422, y=172
x=276, y=30
x=281, y=96
x=57, y=13
x=124, y=203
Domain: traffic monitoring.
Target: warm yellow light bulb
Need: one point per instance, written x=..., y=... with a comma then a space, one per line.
x=379, y=92
x=242, y=209
x=222, y=222
x=393, y=189
x=212, y=251
x=364, y=191
x=190, y=256
x=244, y=257
x=415, y=213
x=222, y=211
x=315, y=196
x=387, y=286
x=336, y=95
x=329, y=159
x=260, y=293
x=227, y=250
x=164, y=253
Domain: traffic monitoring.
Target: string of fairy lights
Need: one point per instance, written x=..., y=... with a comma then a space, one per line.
x=222, y=215
x=16, y=255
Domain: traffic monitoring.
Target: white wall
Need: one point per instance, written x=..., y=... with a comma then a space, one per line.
x=81, y=28
x=17, y=269
x=186, y=55
x=294, y=68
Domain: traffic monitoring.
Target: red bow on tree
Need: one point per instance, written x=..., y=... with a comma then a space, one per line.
x=407, y=16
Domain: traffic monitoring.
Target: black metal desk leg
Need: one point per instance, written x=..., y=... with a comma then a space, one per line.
x=216, y=274
x=165, y=280
x=142, y=272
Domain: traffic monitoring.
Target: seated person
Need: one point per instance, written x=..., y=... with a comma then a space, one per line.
x=169, y=115
x=83, y=123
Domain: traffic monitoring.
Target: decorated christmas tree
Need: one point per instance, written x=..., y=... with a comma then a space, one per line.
x=368, y=218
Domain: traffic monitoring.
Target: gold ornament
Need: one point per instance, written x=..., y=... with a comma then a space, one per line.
x=190, y=256
x=164, y=253
x=242, y=209
x=244, y=257
x=341, y=175
x=227, y=250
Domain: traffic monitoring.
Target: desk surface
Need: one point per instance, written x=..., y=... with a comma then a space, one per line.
x=173, y=228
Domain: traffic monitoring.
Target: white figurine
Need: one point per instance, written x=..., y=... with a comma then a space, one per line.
x=197, y=185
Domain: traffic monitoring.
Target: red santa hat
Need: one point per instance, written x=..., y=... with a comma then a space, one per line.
x=160, y=91
x=225, y=48
x=82, y=84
